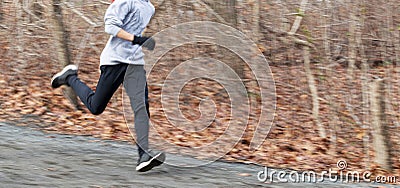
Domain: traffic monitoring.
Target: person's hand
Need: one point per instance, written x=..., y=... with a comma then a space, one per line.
x=146, y=42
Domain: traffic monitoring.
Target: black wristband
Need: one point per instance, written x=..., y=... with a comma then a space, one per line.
x=139, y=40
x=146, y=42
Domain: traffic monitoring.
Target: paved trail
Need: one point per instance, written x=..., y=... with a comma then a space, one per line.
x=31, y=158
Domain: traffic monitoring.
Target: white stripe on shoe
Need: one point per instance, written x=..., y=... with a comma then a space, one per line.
x=65, y=69
x=143, y=165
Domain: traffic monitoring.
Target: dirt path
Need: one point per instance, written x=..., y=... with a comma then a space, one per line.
x=31, y=158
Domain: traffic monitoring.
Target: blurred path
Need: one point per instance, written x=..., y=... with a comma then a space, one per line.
x=31, y=158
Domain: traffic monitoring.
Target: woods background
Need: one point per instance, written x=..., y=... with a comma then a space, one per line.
x=335, y=64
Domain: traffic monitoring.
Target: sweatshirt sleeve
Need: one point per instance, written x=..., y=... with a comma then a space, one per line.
x=115, y=15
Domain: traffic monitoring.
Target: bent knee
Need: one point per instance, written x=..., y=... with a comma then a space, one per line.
x=96, y=111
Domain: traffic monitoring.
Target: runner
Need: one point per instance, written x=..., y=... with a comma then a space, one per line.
x=122, y=58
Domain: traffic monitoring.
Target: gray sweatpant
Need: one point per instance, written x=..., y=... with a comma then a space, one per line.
x=135, y=84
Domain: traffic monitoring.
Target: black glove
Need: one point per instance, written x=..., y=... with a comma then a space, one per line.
x=146, y=42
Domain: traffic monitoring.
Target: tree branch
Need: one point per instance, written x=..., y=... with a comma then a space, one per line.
x=88, y=20
x=299, y=17
x=220, y=18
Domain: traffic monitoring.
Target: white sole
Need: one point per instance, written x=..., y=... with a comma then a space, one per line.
x=144, y=164
x=65, y=69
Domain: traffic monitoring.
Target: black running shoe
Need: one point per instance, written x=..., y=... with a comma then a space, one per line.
x=61, y=78
x=149, y=160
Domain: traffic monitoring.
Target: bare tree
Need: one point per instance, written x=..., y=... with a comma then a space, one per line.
x=379, y=125
x=352, y=57
x=314, y=91
x=364, y=91
x=1, y=11
x=226, y=12
x=334, y=117
x=248, y=18
x=61, y=39
x=307, y=67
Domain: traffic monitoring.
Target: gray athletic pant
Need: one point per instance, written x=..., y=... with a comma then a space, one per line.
x=135, y=86
x=111, y=77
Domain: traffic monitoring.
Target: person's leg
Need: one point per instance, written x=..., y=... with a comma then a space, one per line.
x=135, y=86
x=110, y=79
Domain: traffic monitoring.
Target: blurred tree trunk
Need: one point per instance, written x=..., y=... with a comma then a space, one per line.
x=379, y=125
x=225, y=9
x=352, y=56
x=37, y=9
x=352, y=40
x=314, y=92
x=226, y=12
x=366, y=116
x=248, y=18
x=61, y=39
x=1, y=11
x=333, y=108
x=19, y=31
x=256, y=20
